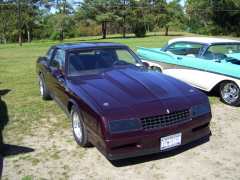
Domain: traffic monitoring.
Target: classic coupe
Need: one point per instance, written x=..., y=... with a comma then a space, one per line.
x=203, y=62
x=117, y=104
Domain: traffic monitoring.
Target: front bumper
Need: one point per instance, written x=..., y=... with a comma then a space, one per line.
x=131, y=154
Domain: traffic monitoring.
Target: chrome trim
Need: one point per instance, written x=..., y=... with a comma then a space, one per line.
x=175, y=66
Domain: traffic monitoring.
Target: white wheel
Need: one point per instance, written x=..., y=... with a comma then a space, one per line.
x=230, y=94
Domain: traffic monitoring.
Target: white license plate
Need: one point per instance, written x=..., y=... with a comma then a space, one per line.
x=171, y=141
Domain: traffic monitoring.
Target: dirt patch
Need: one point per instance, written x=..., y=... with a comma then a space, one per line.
x=56, y=156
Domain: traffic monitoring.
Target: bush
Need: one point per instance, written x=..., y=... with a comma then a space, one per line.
x=55, y=36
x=139, y=30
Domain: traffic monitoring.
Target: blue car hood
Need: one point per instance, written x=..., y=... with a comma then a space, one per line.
x=128, y=88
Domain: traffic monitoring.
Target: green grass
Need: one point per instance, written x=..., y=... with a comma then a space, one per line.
x=22, y=109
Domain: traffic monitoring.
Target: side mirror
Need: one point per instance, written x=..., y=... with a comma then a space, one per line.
x=42, y=59
x=57, y=72
x=146, y=64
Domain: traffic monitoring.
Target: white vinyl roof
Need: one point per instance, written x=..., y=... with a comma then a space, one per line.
x=207, y=40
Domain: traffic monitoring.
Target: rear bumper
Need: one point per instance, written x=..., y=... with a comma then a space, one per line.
x=207, y=132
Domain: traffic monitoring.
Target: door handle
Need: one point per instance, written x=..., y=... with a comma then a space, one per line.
x=179, y=58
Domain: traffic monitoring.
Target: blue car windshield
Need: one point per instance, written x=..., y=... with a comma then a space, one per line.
x=91, y=61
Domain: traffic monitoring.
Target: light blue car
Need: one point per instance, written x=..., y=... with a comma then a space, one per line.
x=205, y=63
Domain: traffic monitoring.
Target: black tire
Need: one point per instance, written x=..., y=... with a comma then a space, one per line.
x=158, y=69
x=78, y=127
x=43, y=89
x=230, y=93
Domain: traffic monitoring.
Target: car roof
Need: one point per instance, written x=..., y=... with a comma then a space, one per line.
x=88, y=45
x=203, y=40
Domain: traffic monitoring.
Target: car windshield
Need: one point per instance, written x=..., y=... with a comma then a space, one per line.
x=91, y=61
x=222, y=51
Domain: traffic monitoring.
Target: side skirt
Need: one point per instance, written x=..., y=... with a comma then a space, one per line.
x=60, y=105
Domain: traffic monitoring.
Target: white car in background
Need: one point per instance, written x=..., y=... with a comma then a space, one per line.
x=203, y=62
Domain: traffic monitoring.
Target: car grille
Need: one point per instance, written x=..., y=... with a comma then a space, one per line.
x=165, y=120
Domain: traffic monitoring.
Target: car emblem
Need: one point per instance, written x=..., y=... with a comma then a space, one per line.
x=168, y=111
x=106, y=104
x=191, y=90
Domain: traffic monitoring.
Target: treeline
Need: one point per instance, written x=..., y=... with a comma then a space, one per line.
x=59, y=19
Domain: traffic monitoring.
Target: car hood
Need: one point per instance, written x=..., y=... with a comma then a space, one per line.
x=127, y=88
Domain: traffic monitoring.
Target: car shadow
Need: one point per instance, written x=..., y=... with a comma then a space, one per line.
x=159, y=156
x=7, y=149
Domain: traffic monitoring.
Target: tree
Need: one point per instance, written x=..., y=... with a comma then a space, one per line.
x=171, y=14
x=214, y=17
x=63, y=19
x=8, y=18
x=101, y=11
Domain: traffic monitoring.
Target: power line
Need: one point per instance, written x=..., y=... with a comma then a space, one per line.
x=134, y=7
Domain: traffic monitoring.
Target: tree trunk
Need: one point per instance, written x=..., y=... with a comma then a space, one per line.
x=104, y=29
x=166, y=31
x=155, y=31
x=124, y=28
x=28, y=32
x=4, y=37
x=61, y=33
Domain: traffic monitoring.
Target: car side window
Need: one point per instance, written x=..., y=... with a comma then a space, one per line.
x=49, y=55
x=59, y=60
x=185, y=49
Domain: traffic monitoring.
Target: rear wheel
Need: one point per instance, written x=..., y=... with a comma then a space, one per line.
x=78, y=127
x=43, y=89
x=229, y=93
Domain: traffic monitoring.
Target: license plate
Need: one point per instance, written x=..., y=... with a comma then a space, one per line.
x=171, y=141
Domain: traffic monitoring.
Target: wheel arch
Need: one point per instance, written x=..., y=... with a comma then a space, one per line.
x=152, y=65
x=216, y=86
x=72, y=103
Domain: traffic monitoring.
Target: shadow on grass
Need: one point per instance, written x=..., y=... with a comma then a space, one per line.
x=130, y=37
x=161, y=155
x=7, y=149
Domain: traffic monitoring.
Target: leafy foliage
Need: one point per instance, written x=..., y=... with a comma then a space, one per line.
x=214, y=17
x=115, y=17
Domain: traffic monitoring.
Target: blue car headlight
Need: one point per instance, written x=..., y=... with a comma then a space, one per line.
x=124, y=125
x=200, y=109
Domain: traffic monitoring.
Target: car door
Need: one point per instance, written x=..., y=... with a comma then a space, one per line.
x=189, y=67
x=56, y=83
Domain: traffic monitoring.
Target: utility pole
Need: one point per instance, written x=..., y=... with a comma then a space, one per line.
x=19, y=25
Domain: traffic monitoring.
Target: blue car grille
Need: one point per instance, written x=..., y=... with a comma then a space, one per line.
x=165, y=120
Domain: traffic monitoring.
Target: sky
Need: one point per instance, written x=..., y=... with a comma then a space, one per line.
x=181, y=2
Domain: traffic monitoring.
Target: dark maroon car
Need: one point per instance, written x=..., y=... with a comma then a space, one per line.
x=117, y=104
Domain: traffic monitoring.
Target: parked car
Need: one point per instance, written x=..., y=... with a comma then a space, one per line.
x=116, y=104
x=205, y=63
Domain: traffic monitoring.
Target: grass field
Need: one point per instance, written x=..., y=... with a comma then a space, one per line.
x=22, y=110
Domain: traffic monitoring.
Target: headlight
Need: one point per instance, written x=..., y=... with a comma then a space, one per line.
x=124, y=125
x=200, y=109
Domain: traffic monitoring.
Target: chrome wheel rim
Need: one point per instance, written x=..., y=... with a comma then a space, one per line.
x=77, y=128
x=41, y=87
x=230, y=92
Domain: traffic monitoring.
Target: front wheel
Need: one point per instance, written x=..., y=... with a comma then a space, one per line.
x=229, y=93
x=158, y=69
x=79, y=129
